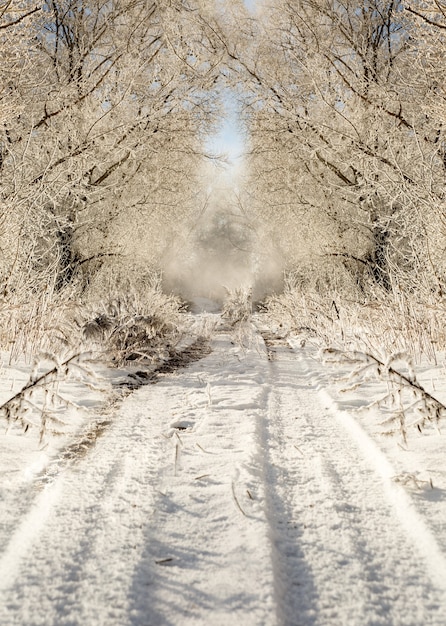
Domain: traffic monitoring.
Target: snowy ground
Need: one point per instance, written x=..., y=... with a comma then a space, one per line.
x=241, y=489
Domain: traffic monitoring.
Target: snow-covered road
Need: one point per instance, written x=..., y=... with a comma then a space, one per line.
x=231, y=492
x=343, y=552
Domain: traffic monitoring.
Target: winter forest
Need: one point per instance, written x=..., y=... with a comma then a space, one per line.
x=176, y=316
x=107, y=178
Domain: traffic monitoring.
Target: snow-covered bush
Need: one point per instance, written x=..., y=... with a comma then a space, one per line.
x=237, y=306
x=31, y=323
x=381, y=322
x=237, y=310
x=131, y=324
x=307, y=313
x=134, y=325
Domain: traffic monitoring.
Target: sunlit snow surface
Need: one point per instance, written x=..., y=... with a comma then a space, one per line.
x=239, y=490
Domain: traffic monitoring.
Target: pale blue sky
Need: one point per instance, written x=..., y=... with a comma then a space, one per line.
x=250, y=4
x=229, y=140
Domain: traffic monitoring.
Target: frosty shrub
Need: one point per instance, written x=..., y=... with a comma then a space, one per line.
x=40, y=404
x=237, y=310
x=307, y=313
x=406, y=403
x=31, y=323
x=237, y=306
x=134, y=326
x=381, y=322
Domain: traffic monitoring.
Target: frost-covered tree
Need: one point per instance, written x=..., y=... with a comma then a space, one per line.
x=99, y=161
x=345, y=163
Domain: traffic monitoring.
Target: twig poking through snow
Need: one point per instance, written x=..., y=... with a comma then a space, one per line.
x=405, y=397
x=24, y=405
x=236, y=500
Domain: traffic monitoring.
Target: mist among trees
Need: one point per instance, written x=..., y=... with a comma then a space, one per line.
x=107, y=177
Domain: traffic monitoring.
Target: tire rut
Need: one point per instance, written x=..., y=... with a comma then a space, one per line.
x=86, y=440
x=340, y=552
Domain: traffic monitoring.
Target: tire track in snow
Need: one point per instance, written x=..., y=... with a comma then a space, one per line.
x=341, y=553
x=77, y=559
x=24, y=535
x=413, y=523
x=163, y=521
x=207, y=552
x=170, y=518
x=45, y=497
